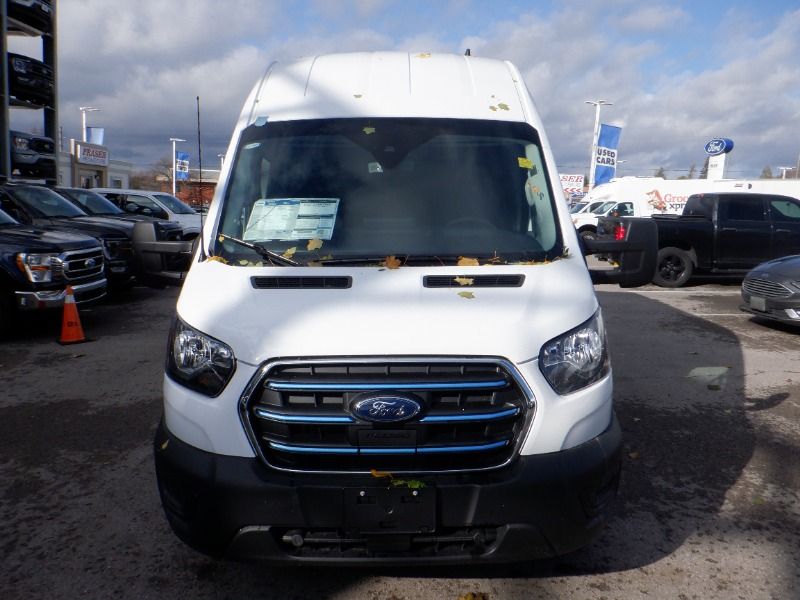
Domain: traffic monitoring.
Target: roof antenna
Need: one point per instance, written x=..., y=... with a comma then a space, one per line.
x=200, y=177
x=468, y=52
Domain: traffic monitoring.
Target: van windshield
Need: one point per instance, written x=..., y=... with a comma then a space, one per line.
x=424, y=190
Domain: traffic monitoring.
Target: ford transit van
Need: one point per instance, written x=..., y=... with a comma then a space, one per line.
x=388, y=347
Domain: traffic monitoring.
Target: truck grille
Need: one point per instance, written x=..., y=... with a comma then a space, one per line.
x=474, y=411
x=765, y=288
x=82, y=265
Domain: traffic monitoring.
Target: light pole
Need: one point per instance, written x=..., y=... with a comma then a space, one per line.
x=84, y=110
x=174, y=172
x=783, y=171
x=597, y=104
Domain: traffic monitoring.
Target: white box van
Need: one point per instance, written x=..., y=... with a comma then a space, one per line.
x=388, y=348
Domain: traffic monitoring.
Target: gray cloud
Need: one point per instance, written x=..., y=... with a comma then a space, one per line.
x=143, y=63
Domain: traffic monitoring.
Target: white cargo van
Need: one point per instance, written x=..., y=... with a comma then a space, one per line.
x=388, y=348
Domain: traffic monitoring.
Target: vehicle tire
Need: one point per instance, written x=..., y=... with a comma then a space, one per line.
x=588, y=234
x=673, y=268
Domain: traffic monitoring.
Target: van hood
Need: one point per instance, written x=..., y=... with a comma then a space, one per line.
x=387, y=311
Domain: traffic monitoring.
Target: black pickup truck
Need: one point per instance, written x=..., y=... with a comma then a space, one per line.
x=725, y=234
x=36, y=266
x=153, y=254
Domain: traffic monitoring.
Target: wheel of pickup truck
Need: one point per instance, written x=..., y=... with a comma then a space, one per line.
x=674, y=267
x=588, y=234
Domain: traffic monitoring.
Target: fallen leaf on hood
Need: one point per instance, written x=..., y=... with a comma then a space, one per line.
x=503, y=106
x=465, y=261
x=634, y=455
x=314, y=244
x=464, y=280
x=289, y=253
x=380, y=474
x=165, y=444
x=218, y=259
x=391, y=262
x=467, y=295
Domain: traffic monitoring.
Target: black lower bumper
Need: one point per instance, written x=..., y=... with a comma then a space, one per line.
x=538, y=507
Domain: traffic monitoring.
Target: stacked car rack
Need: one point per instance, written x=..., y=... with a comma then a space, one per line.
x=35, y=18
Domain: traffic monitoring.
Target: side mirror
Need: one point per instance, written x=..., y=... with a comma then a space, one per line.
x=633, y=246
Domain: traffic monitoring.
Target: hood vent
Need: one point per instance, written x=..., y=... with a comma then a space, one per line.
x=301, y=283
x=484, y=281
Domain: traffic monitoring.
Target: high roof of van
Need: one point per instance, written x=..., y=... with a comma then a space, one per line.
x=390, y=84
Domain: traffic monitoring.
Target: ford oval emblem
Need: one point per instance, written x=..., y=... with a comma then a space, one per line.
x=385, y=408
x=718, y=146
x=90, y=262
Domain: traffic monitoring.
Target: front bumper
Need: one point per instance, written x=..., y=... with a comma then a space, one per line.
x=540, y=506
x=784, y=310
x=85, y=294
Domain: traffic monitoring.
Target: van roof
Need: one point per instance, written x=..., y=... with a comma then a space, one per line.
x=390, y=84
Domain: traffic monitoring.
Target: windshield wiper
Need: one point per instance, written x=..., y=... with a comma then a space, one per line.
x=262, y=251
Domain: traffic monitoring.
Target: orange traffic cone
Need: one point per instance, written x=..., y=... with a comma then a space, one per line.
x=71, y=330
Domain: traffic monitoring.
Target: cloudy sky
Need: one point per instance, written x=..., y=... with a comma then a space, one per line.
x=678, y=73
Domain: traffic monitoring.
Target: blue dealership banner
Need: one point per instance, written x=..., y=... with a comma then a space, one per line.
x=605, y=161
x=181, y=166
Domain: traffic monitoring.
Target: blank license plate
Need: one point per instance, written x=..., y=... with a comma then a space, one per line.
x=390, y=510
x=757, y=303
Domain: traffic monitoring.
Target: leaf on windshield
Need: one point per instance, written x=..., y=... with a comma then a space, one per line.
x=218, y=259
x=464, y=280
x=368, y=130
x=380, y=474
x=532, y=262
x=314, y=244
x=289, y=253
x=314, y=263
x=465, y=261
x=327, y=257
x=467, y=295
x=392, y=262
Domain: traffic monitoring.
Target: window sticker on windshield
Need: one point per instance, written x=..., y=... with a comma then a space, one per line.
x=292, y=219
x=525, y=163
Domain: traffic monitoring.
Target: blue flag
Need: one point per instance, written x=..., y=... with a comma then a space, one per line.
x=181, y=166
x=605, y=161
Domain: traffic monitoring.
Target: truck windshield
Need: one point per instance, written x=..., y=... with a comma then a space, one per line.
x=91, y=202
x=5, y=219
x=175, y=205
x=426, y=189
x=44, y=203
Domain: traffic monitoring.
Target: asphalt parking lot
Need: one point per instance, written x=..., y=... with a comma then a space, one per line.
x=709, y=401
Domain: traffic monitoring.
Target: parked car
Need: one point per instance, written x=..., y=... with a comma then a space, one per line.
x=772, y=290
x=155, y=204
x=725, y=234
x=36, y=265
x=162, y=251
x=40, y=207
x=33, y=155
x=33, y=13
x=30, y=80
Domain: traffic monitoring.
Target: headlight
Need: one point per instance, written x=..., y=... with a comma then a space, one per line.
x=577, y=358
x=19, y=65
x=20, y=143
x=37, y=267
x=198, y=361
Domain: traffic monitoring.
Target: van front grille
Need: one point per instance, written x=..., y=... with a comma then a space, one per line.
x=301, y=415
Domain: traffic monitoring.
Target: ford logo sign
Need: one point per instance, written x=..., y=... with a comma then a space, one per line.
x=385, y=408
x=718, y=146
x=90, y=262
